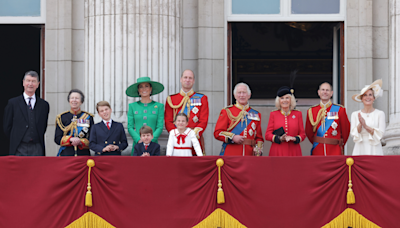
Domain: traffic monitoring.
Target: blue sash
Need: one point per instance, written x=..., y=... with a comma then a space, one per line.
x=237, y=130
x=328, y=123
x=73, y=133
x=186, y=109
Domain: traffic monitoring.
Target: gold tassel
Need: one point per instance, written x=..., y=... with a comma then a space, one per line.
x=220, y=193
x=88, y=198
x=351, y=199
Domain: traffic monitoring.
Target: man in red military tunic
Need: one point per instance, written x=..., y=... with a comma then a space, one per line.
x=194, y=105
x=239, y=126
x=327, y=124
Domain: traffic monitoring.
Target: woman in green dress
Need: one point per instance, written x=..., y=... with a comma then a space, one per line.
x=146, y=111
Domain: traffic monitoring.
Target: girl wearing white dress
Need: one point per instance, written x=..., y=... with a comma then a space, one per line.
x=182, y=139
x=368, y=124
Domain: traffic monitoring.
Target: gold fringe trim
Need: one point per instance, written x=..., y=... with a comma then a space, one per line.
x=220, y=218
x=351, y=199
x=350, y=218
x=88, y=198
x=220, y=193
x=90, y=220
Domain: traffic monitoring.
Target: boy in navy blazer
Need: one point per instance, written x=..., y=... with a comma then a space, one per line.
x=145, y=147
x=107, y=137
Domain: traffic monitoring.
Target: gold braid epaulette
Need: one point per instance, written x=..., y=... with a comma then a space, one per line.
x=72, y=126
x=320, y=116
x=234, y=119
x=184, y=102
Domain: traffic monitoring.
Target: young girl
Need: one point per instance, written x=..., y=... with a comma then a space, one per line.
x=182, y=139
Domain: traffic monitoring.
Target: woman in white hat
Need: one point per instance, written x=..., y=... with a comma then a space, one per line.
x=368, y=124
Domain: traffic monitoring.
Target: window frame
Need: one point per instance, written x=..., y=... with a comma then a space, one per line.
x=27, y=19
x=285, y=14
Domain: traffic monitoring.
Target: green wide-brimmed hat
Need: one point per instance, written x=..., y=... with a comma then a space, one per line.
x=133, y=90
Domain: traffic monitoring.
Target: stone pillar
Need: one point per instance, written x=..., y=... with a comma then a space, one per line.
x=211, y=51
x=127, y=39
x=392, y=134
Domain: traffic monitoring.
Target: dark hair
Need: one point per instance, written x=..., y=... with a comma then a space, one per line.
x=181, y=114
x=32, y=74
x=102, y=103
x=146, y=130
x=76, y=91
x=142, y=83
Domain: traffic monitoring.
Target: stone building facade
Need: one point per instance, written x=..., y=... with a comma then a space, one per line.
x=102, y=47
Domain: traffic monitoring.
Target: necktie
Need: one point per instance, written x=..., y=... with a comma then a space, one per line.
x=145, y=147
x=108, y=125
x=29, y=103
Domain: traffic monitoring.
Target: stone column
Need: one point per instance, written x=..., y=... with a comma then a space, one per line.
x=392, y=134
x=127, y=39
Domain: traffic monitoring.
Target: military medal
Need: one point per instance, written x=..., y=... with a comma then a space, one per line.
x=251, y=132
x=293, y=117
x=332, y=115
x=195, y=110
x=334, y=126
x=195, y=119
x=253, y=125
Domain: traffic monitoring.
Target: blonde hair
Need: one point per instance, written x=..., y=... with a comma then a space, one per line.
x=102, y=103
x=292, y=102
x=146, y=130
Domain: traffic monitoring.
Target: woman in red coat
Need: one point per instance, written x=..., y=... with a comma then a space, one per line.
x=285, y=126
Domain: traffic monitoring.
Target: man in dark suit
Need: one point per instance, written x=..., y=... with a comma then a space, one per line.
x=25, y=119
x=107, y=137
x=146, y=147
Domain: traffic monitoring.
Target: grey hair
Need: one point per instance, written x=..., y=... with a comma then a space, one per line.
x=319, y=87
x=194, y=76
x=292, y=102
x=242, y=83
x=32, y=74
x=76, y=91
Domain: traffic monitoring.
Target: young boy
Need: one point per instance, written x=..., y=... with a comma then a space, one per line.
x=107, y=137
x=182, y=138
x=146, y=147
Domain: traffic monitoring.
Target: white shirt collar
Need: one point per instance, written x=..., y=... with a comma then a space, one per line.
x=26, y=97
x=33, y=100
x=105, y=122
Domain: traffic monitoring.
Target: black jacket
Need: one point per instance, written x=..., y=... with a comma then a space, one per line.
x=16, y=120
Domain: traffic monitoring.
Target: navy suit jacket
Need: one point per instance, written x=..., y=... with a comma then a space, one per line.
x=16, y=120
x=153, y=149
x=100, y=137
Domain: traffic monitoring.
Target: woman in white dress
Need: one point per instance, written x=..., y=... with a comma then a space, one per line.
x=368, y=124
x=182, y=139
